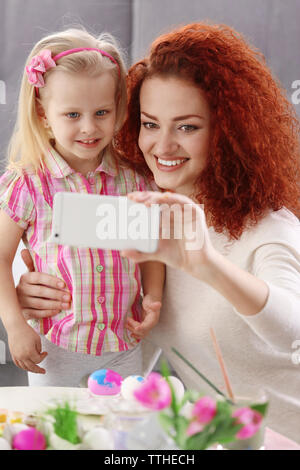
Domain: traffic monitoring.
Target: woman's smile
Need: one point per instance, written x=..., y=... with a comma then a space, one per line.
x=169, y=164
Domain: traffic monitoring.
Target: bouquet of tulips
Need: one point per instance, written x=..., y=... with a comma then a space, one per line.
x=198, y=422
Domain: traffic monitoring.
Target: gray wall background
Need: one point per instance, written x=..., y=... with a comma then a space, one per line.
x=271, y=25
x=24, y=22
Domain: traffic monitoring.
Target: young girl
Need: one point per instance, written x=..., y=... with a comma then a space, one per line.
x=72, y=102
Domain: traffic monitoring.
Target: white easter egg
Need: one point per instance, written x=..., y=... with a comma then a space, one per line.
x=10, y=430
x=177, y=386
x=4, y=444
x=129, y=385
x=98, y=439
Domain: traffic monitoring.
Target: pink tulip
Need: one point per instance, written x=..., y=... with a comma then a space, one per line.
x=154, y=393
x=251, y=419
x=204, y=410
x=194, y=427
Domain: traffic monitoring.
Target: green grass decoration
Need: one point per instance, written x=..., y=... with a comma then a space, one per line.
x=65, y=425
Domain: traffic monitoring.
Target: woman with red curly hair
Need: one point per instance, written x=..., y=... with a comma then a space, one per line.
x=210, y=124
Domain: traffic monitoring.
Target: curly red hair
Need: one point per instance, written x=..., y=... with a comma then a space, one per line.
x=254, y=160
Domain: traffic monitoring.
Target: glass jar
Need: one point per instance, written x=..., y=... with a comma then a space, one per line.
x=244, y=396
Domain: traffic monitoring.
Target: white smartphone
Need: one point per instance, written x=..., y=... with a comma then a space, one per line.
x=106, y=222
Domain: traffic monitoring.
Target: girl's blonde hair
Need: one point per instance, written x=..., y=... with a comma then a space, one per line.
x=30, y=139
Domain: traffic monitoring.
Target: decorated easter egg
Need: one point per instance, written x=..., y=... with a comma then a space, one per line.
x=129, y=385
x=29, y=439
x=105, y=382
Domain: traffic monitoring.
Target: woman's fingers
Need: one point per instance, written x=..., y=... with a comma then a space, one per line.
x=42, y=292
x=43, y=279
x=30, y=313
x=41, y=295
x=39, y=291
x=43, y=304
x=155, y=197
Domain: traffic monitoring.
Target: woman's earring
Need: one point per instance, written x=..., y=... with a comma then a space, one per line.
x=46, y=123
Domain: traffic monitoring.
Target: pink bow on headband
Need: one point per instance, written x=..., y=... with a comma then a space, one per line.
x=38, y=66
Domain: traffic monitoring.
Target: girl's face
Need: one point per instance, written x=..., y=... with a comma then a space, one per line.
x=81, y=112
x=175, y=132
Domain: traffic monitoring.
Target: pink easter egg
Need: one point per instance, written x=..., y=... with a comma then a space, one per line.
x=105, y=382
x=29, y=439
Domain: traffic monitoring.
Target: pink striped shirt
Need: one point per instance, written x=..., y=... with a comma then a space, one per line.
x=105, y=288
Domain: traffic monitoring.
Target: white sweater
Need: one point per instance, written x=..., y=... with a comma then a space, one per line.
x=258, y=350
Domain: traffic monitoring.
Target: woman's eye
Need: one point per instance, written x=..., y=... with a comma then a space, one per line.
x=188, y=127
x=149, y=125
x=73, y=115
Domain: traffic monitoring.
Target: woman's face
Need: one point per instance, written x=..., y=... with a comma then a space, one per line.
x=175, y=132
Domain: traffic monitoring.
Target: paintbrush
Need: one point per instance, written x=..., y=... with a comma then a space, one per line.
x=202, y=376
x=222, y=364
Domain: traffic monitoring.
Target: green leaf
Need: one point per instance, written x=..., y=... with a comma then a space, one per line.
x=262, y=408
x=166, y=421
x=226, y=433
x=181, y=425
x=190, y=395
x=228, y=437
x=223, y=407
x=166, y=373
x=199, y=441
x=164, y=368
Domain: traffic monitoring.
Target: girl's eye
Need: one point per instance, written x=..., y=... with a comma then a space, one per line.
x=73, y=115
x=188, y=128
x=149, y=125
x=101, y=112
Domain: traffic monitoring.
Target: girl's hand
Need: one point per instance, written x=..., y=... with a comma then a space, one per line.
x=41, y=295
x=151, y=312
x=184, y=239
x=25, y=347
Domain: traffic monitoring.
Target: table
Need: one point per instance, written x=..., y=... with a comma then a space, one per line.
x=30, y=399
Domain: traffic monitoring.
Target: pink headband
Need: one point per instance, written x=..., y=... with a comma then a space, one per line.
x=43, y=61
